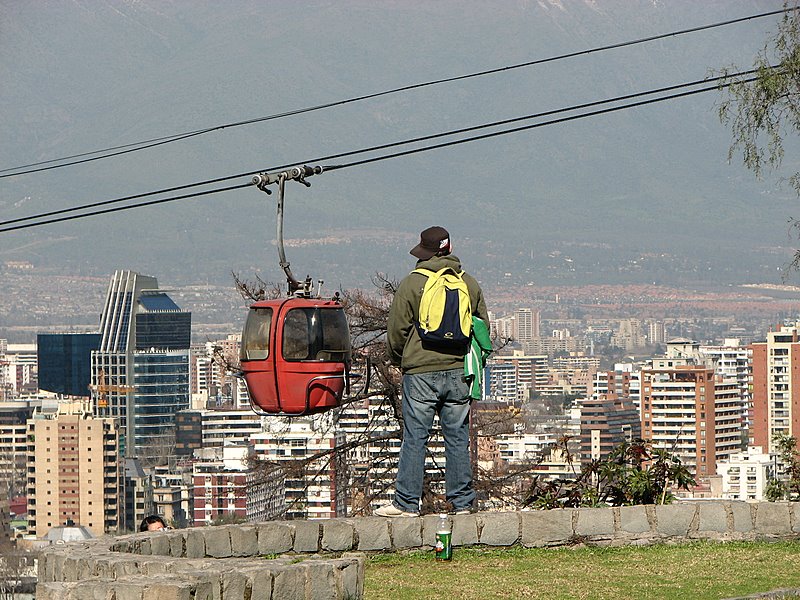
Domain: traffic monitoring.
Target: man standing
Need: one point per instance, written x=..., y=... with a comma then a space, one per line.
x=433, y=383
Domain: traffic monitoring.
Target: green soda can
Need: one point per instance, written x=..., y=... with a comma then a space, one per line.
x=444, y=539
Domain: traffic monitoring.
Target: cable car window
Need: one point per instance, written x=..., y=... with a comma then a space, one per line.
x=297, y=330
x=316, y=334
x=255, y=339
x=335, y=336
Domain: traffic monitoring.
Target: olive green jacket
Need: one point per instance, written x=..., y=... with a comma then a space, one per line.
x=404, y=346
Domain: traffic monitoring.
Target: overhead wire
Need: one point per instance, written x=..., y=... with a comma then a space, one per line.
x=150, y=143
x=717, y=86
x=374, y=148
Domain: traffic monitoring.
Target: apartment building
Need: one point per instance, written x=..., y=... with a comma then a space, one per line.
x=315, y=476
x=512, y=378
x=688, y=411
x=73, y=470
x=745, y=475
x=606, y=423
x=775, y=380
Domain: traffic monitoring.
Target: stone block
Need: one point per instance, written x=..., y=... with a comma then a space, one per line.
x=195, y=544
x=772, y=518
x=633, y=519
x=674, y=520
x=289, y=583
x=233, y=583
x=168, y=590
x=218, y=542
x=158, y=566
x=306, y=536
x=177, y=544
x=713, y=520
x=321, y=580
x=373, y=533
x=429, y=524
x=143, y=547
x=244, y=541
x=103, y=568
x=126, y=566
x=70, y=569
x=499, y=529
x=159, y=544
x=90, y=590
x=350, y=572
x=465, y=530
x=86, y=568
x=595, y=522
x=274, y=538
x=58, y=567
x=546, y=527
x=337, y=535
x=260, y=584
x=125, y=590
x=51, y=591
x=44, y=567
x=742, y=517
x=406, y=532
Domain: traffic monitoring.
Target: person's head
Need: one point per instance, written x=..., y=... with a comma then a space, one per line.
x=434, y=241
x=152, y=523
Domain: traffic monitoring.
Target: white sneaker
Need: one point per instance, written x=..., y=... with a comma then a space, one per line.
x=390, y=510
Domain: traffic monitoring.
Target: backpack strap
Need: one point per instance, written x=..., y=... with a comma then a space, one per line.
x=429, y=272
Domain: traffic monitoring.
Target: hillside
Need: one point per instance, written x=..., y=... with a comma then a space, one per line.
x=605, y=192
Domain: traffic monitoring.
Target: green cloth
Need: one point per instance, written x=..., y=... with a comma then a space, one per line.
x=475, y=361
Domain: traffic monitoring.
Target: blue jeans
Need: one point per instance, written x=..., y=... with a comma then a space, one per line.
x=426, y=394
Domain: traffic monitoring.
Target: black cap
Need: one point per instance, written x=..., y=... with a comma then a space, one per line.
x=433, y=241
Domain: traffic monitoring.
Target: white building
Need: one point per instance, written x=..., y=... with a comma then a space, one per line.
x=303, y=447
x=745, y=474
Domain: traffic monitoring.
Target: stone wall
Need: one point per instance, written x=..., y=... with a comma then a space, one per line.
x=324, y=560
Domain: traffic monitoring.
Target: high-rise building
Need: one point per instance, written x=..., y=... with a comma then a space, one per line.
x=775, y=365
x=137, y=494
x=687, y=411
x=212, y=379
x=173, y=493
x=512, y=378
x=14, y=446
x=606, y=423
x=211, y=428
x=315, y=485
x=220, y=484
x=18, y=373
x=65, y=362
x=527, y=325
x=623, y=382
x=656, y=332
x=140, y=374
x=73, y=470
x=629, y=335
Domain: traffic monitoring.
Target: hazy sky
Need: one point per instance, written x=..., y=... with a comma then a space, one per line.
x=81, y=76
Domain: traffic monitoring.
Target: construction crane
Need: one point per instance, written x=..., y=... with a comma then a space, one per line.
x=102, y=389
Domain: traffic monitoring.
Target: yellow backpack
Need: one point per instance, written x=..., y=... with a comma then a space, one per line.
x=445, y=310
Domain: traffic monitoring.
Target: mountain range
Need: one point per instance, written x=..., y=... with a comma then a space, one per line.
x=644, y=194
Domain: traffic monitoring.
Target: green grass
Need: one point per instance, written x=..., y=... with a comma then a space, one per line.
x=698, y=571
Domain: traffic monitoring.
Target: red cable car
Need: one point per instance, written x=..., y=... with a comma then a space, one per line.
x=295, y=354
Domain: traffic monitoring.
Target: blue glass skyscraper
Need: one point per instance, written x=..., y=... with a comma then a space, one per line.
x=140, y=374
x=64, y=362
